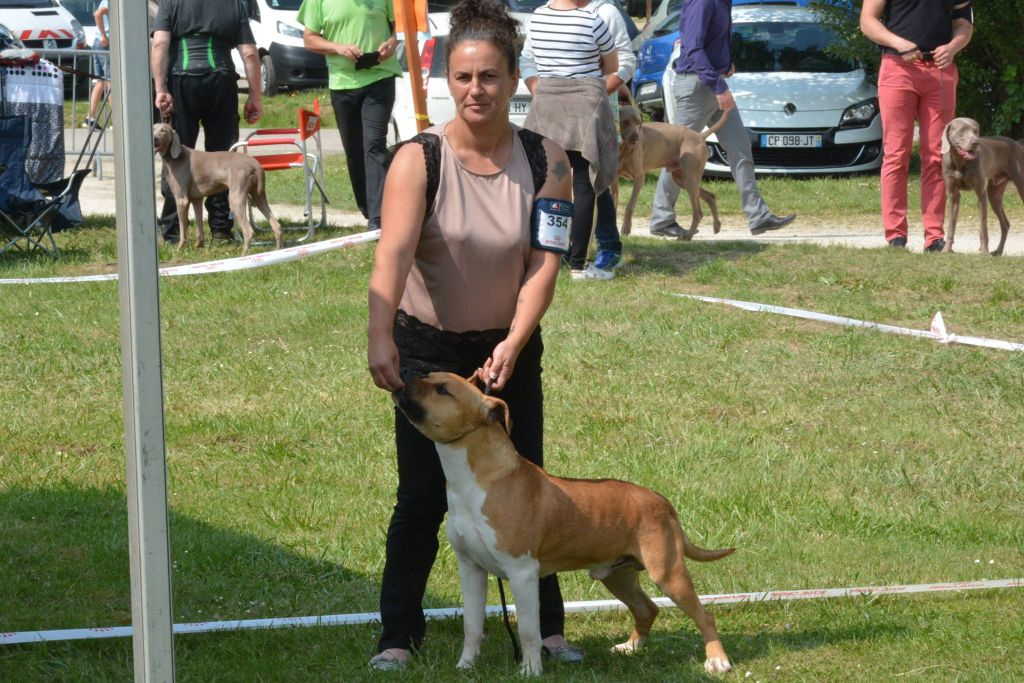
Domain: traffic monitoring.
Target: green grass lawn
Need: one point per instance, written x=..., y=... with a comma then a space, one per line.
x=828, y=456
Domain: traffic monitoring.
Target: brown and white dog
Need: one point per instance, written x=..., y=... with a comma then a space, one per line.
x=508, y=517
x=193, y=174
x=984, y=165
x=679, y=150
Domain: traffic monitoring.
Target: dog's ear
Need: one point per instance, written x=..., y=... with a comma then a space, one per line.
x=477, y=380
x=497, y=411
x=175, y=144
x=945, y=138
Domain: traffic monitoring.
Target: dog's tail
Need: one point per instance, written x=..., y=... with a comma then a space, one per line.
x=701, y=555
x=714, y=128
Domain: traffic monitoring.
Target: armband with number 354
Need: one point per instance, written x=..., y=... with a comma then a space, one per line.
x=551, y=225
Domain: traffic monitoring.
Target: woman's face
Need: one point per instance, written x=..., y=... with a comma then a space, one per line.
x=480, y=81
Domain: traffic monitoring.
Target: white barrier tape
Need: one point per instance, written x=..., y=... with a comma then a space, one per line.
x=222, y=265
x=449, y=612
x=937, y=332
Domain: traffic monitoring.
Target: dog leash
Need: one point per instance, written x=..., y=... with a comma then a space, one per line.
x=517, y=653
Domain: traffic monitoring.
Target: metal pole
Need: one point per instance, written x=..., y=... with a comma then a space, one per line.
x=412, y=58
x=149, y=541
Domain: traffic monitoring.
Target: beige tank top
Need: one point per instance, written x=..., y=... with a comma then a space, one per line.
x=474, y=246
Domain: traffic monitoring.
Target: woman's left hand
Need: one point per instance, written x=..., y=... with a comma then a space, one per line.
x=498, y=368
x=387, y=48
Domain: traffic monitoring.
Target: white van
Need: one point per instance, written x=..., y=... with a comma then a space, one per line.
x=278, y=34
x=42, y=24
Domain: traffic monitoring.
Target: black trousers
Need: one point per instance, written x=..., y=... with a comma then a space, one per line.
x=210, y=100
x=421, y=500
x=583, y=210
x=363, y=115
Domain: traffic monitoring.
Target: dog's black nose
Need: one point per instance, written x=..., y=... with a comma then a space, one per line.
x=407, y=375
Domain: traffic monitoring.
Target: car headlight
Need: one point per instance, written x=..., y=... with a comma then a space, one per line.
x=859, y=115
x=79, y=32
x=289, y=30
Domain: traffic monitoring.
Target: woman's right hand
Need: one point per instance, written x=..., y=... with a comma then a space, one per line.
x=382, y=355
x=348, y=51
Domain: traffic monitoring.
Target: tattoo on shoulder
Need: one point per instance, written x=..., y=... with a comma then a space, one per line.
x=560, y=169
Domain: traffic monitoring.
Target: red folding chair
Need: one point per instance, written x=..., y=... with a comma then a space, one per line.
x=288, y=148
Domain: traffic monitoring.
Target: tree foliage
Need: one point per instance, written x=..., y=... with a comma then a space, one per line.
x=991, y=88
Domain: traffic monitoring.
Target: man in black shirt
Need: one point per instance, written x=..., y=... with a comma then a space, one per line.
x=917, y=81
x=195, y=83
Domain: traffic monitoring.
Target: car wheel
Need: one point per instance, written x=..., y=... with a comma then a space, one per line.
x=269, y=77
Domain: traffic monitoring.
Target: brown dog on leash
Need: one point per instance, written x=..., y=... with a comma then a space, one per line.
x=193, y=174
x=984, y=165
x=508, y=517
x=677, y=149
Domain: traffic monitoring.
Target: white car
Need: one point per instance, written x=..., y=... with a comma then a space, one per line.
x=440, y=107
x=42, y=24
x=284, y=60
x=806, y=111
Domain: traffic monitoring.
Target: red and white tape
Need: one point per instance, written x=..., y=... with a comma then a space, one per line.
x=449, y=612
x=221, y=265
x=937, y=332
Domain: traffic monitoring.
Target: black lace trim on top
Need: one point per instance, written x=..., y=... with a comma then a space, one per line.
x=533, y=144
x=431, y=145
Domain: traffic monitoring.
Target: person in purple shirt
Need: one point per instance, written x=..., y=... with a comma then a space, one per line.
x=701, y=95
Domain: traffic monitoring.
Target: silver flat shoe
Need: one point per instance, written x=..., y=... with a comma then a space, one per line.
x=385, y=661
x=567, y=654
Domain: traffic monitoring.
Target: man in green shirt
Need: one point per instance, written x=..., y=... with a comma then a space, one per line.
x=359, y=42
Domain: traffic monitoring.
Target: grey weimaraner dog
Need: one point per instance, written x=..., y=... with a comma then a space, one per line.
x=193, y=174
x=681, y=151
x=984, y=165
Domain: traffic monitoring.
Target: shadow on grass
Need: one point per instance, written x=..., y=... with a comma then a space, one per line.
x=680, y=258
x=64, y=555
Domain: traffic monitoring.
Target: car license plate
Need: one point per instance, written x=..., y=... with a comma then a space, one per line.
x=647, y=88
x=520, y=107
x=790, y=140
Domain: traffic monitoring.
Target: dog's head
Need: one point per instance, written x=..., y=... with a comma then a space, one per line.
x=166, y=141
x=961, y=136
x=630, y=122
x=446, y=407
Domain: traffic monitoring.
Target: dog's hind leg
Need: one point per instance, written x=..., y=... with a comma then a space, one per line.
x=237, y=201
x=624, y=584
x=712, y=203
x=668, y=571
x=995, y=198
x=259, y=200
x=474, y=600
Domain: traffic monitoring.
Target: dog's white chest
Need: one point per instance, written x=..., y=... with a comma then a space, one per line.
x=470, y=533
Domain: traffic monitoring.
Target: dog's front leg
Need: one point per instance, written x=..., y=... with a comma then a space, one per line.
x=983, y=212
x=197, y=207
x=474, y=600
x=182, y=206
x=526, y=590
x=952, y=214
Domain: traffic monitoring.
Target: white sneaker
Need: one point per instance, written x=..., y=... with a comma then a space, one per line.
x=592, y=273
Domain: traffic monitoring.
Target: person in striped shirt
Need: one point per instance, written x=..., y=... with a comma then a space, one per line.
x=569, y=49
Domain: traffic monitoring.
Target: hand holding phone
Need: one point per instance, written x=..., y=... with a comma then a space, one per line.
x=367, y=59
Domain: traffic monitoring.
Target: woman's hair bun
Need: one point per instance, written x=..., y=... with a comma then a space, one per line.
x=485, y=20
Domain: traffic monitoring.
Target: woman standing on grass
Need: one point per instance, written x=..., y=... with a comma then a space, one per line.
x=359, y=41
x=569, y=48
x=460, y=283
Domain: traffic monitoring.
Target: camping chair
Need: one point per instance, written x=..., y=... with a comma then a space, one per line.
x=29, y=214
x=288, y=149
